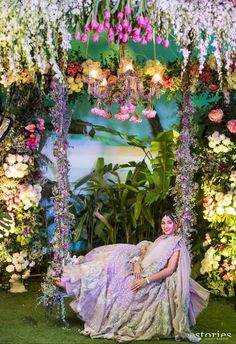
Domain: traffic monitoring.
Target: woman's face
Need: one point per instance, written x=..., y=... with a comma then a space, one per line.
x=168, y=226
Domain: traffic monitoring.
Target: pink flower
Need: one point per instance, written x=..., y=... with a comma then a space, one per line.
x=141, y=21
x=100, y=28
x=122, y=117
x=107, y=25
x=127, y=11
x=213, y=87
x=107, y=15
x=220, y=270
x=148, y=29
x=119, y=28
x=31, y=128
x=95, y=37
x=158, y=39
x=149, y=37
x=125, y=38
x=185, y=121
x=120, y=15
x=226, y=277
x=149, y=113
x=77, y=35
x=166, y=43
x=94, y=25
x=87, y=29
x=231, y=125
x=136, y=39
x=125, y=23
x=84, y=38
x=111, y=37
x=134, y=119
x=143, y=40
x=216, y=115
x=40, y=125
x=128, y=30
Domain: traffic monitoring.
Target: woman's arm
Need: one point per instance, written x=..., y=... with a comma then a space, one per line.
x=166, y=272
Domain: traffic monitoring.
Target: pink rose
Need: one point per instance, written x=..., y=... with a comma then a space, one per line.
x=216, y=115
x=231, y=125
x=213, y=87
x=30, y=128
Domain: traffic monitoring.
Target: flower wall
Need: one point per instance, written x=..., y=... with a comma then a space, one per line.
x=20, y=194
x=219, y=186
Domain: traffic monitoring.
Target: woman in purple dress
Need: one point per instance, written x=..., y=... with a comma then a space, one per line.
x=137, y=292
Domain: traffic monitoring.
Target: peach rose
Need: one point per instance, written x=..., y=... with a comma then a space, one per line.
x=231, y=125
x=216, y=115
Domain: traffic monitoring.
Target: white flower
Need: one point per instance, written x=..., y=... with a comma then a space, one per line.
x=10, y=268
x=226, y=141
x=18, y=267
x=26, y=274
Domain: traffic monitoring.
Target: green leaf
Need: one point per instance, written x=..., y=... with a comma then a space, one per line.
x=138, y=205
x=78, y=230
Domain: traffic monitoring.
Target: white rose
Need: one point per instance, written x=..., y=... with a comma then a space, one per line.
x=26, y=274
x=212, y=144
x=19, y=158
x=226, y=141
x=11, y=159
x=10, y=268
x=18, y=267
x=220, y=211
x=32, y=264
x=230, y=211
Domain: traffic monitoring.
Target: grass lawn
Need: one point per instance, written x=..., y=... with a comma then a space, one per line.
x=22, y=323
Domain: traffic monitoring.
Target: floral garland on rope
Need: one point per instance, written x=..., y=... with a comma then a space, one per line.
x=186, y=165
x=61, y=119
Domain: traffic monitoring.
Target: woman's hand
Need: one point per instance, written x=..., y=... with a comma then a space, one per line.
x=139, y=284
x=137, y=270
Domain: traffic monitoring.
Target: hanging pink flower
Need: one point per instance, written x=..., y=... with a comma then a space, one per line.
x=149, y=113
x=134, y=119
x=122, y=117
x=231, y=125
x=216, y=115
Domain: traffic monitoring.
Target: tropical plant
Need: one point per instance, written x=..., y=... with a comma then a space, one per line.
x=113, y=210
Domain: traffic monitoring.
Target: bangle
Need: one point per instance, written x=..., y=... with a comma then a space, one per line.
x=147, y=280
x=135, y=259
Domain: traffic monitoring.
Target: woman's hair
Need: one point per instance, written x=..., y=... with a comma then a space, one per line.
x=171, y=215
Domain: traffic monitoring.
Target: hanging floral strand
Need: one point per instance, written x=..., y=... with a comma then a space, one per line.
x=186, y=166
x=61, y=119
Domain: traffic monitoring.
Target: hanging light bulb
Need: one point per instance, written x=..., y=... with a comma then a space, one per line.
x=93, y=73
x=104, y=82
x=156, y=78
x=128, y=66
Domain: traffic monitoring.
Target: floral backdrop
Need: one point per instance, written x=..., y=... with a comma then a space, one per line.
x=44, y=44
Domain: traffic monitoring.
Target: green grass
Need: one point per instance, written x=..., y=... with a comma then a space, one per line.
x=22, y=323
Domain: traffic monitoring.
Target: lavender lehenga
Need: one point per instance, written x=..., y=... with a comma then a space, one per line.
x=101, y=287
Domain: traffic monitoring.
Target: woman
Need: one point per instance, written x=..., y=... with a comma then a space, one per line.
x=137, y=292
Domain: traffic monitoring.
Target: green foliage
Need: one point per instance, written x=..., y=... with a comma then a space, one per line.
x=114, y=210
